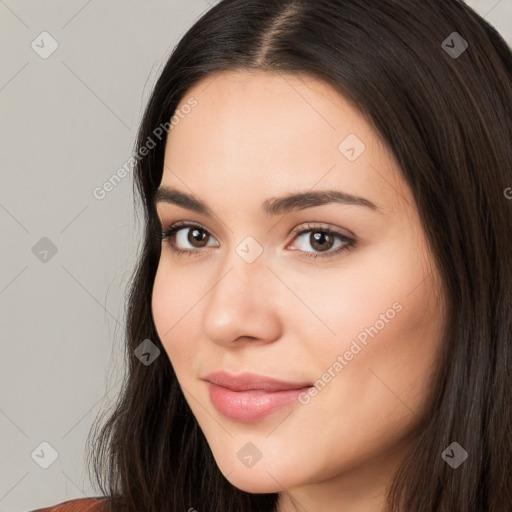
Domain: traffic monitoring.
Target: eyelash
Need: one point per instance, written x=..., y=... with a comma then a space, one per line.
x=167, y=233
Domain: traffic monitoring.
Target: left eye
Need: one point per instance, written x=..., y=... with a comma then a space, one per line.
x=321, y=240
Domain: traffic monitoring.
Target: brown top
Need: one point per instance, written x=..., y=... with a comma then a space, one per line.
x=79, y=505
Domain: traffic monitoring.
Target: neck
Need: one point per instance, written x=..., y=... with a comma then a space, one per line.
x=359, y=489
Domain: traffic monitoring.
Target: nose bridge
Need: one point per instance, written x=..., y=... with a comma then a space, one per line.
x=240, y=302
x=243, y=266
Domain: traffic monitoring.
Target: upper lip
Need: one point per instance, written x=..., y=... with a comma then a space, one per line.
x=251, y=381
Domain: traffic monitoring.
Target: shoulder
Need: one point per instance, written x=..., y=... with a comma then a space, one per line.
x=79, y=505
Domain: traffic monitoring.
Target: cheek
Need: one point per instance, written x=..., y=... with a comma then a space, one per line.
x=390, y=330
x=174, y=298
x=370, y=290
x=387, y=320
x=385, y=284
x=378, y=392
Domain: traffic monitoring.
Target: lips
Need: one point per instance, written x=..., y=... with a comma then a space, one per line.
x=249, y=397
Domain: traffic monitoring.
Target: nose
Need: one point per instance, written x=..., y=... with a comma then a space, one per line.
x=244, y=304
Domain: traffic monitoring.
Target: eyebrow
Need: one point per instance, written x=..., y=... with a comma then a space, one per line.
x=270, y=207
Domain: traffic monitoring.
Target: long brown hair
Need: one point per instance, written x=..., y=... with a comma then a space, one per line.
x=445, y=111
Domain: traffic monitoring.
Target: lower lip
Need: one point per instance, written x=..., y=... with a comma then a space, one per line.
x=250, y=406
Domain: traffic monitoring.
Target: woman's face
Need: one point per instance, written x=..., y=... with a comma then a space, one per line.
x=354, y=312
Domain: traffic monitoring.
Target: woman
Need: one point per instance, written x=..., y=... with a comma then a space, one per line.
x=321, y=314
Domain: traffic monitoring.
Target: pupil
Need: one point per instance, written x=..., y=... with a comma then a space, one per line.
x=319, y=240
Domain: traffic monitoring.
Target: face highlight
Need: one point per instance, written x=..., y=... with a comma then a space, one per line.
x=293, y=250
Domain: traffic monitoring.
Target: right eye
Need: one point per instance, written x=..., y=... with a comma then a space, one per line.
x=179, y=234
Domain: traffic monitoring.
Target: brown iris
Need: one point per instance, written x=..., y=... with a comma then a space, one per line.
x=197, y=236
x=321, y=240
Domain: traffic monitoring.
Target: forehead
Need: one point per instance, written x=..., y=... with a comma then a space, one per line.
x=279, y=132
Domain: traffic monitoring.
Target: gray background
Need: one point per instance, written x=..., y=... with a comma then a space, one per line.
x=68, y=123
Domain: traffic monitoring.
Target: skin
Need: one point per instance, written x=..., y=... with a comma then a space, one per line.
x=260, y=135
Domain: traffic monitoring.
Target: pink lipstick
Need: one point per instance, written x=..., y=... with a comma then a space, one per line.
x=249, y=397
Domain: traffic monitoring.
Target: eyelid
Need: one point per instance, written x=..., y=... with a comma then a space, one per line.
x=321, y=226
x=166, y=228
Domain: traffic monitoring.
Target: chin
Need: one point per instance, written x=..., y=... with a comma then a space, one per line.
x=254, y=483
